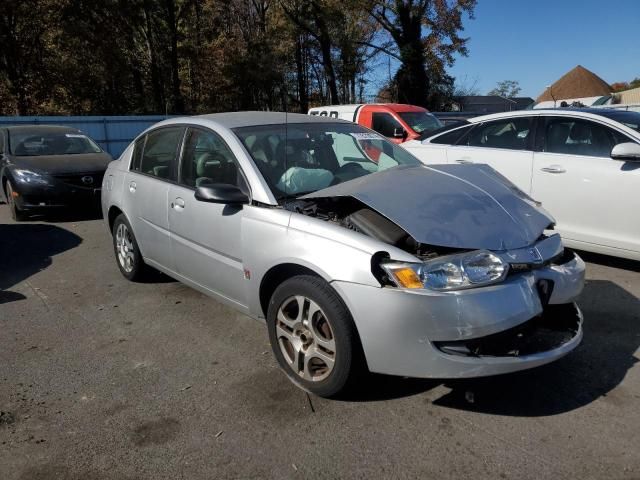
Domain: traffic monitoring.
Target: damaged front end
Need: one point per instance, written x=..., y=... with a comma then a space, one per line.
x=488, y=291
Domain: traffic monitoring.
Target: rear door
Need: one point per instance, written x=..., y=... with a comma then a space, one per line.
x=153, y=170
x=205, y=237
x=505, y=144
x=593, y=198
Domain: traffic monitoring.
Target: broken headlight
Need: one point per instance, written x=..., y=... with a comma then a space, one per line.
x=452, y=272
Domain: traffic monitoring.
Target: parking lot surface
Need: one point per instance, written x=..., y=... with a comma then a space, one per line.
x=102, y=379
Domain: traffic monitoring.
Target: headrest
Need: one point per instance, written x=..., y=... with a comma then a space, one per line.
x=580, y=132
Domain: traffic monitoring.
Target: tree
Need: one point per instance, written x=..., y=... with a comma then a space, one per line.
x=619, y=86
x=465, y=87
x=424, y=37
x=176, y=56
x=507, y=89
x=27, y=28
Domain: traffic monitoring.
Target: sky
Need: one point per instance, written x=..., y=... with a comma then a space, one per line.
x=537, y=41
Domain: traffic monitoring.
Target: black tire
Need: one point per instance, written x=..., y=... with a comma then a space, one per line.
x=348, y=363
x=16, y=214
x=136, y=270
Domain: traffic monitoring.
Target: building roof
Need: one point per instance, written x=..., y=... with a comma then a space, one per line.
x=485, y=100
x=523, y=102
x=492, y=103
x=628, y=96
x=577, y=83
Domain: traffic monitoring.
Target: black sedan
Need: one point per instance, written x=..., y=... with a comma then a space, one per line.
x=45, y=167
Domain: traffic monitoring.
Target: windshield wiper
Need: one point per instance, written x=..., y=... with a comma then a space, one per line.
x=292, y=196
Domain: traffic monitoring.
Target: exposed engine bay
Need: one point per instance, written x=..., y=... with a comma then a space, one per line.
x=356, y=216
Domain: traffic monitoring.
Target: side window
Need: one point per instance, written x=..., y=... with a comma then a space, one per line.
x=579, y=137
x=207, y=159
x=160, y=151
x=1, y=141
x=511, y=133
x=385, y=124
x=452, y=137
x=136, y=157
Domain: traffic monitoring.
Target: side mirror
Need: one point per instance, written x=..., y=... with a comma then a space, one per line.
x=627, y=152
x=400, y=133
x=221, y=193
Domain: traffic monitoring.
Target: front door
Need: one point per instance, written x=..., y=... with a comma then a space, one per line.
x=593, y=198
x=206, y=237
x=503, y=144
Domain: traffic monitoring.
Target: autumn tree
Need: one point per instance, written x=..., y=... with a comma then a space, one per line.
x=196, y=56
x=424, y=35
x=27, y=29
x=506, y=89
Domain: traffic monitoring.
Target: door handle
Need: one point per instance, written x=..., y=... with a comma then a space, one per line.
x=464, y=161
x=553, y=169
x=132, y=186
x=178, y=204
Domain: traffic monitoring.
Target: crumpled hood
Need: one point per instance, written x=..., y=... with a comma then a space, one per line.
x=458, y=206
x=64, y=164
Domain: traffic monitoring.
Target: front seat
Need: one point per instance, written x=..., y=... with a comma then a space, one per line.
x=205, y=169
x=557, y=137
x=580, y=139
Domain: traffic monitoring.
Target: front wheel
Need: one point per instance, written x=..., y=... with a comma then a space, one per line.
x=313, y=336
x=128, y=254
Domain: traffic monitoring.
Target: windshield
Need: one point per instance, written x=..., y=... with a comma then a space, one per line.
x=421, y=121
x=302, y=158
x=26, y=144
x=630, y=119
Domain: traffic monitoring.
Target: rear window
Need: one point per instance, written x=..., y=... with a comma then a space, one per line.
x=629, y=119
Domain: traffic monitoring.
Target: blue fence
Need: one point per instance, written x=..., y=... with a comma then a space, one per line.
x=113, y=133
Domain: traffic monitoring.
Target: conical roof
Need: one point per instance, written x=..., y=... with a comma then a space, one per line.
x=577, y=83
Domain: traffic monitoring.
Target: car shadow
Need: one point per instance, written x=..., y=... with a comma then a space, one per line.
x=591, y=371
x=609, y=261
x=26, y=249
x=68, y=215
x=376, y=387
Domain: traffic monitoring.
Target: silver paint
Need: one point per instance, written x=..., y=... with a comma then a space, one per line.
x=210, y=249
x=459, y=206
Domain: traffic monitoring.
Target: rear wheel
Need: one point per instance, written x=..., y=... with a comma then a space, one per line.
x=126, y=249
x=15, y=211
x=313, y=336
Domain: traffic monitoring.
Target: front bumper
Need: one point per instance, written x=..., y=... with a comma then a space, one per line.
x=37, y=197
x=403, y=331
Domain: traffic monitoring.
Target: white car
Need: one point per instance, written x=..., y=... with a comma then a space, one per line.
x=582, y=164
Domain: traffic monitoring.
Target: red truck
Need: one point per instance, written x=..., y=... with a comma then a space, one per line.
x=396, y=121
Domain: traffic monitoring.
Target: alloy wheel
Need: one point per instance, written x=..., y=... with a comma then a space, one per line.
x=305, y=338
x=124, y=248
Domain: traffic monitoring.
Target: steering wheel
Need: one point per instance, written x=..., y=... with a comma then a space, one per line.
x=351, y=167
x=348, y=171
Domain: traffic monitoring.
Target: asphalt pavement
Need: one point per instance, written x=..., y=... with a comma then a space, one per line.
x=103, y=379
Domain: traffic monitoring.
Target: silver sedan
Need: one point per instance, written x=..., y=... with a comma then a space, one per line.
x=358, y=257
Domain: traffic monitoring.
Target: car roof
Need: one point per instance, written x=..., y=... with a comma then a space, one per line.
x=577, y=112
x=35, y=129
x=600, y=114
x=248, y=119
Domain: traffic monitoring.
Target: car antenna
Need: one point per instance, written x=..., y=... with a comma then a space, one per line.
x=286, y=131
